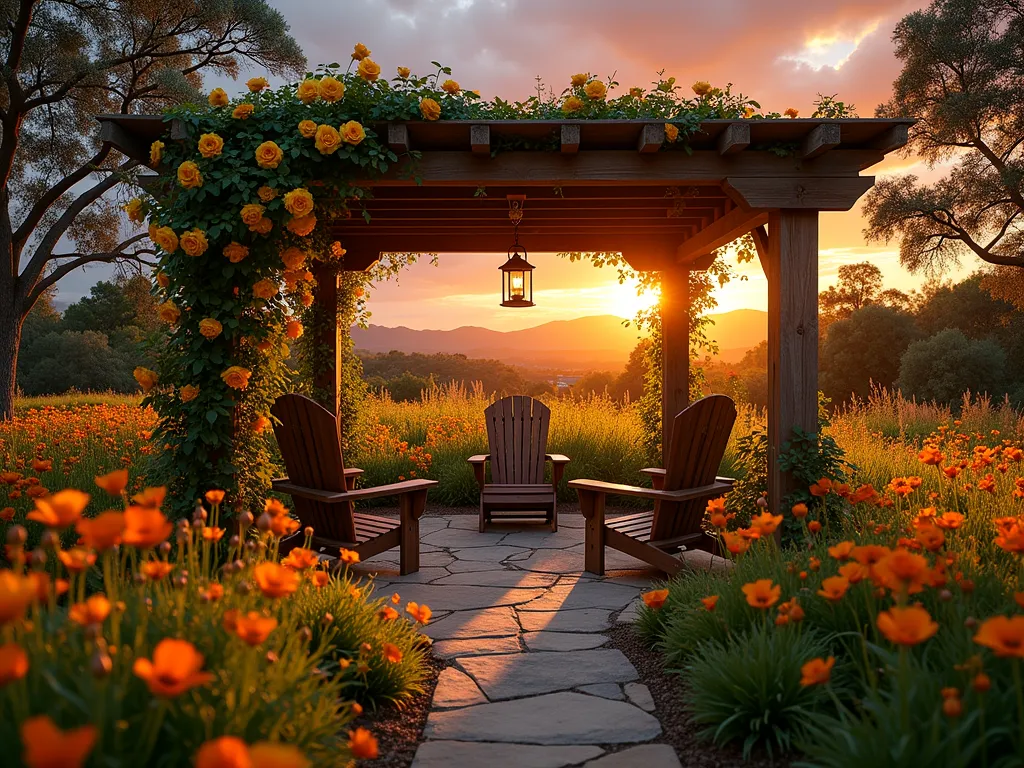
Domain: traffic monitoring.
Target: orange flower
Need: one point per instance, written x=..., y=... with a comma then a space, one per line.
x=930, y=455
x=655, y=598
x=268, y=754
x=276, y=580
x=817, y=671
x=349, y=556
x=214, y=497
x=47, y=746
x=77, y=559
x=814, y=526
x=1012, y=540
x=101, y=532
x=42, y=465
x=951, y=472
x=869, y=554
x=709, y=602
x=13, y=663
x=735, y=543
x=799, y=511
x=949, y=520
x=319, y=578
x=175, y=668
x=150, y=497
x=114, y=482
x=212, y=593
x=224, y=752
x=902, y=571
x=41, y=580
x=419, y=613
x=1004, y=635
x=59, y=510
x=821, y=488
x=842, y=550
x=716, y=505
x=145, y=527
x=300, y=559
x=362, y=744
x=766, y=523
x=1019, y=599
x=931, y=537
x=212, y=533
x=834, y=587
x=853, y=572
x=93, y=611
x=154, y=570
x=392, y=653
x=387, y=613
x=907, y=626
x=252, y=627
x=762, y=593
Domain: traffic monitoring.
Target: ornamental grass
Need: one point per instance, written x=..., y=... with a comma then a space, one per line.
x=891, y=634
x=155, y=643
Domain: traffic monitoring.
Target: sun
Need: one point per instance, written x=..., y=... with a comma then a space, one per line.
x=624, y=301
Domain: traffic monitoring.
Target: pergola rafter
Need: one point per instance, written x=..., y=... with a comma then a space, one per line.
x=614, y=186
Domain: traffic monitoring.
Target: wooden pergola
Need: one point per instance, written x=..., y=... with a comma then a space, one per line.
x=610, y=186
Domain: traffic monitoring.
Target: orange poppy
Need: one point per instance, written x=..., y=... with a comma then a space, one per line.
x=930, y=537
x=420, y=613
x=300, y=559
x=387, y=613
x=799, y=511
x=907, y=626
x=766, y=523
x=949, y=520
x=392, y=653
x=253, y=628
x=175, y=668
x=709, y=602
x=655, y=599
x=349, y=556
x=930, y=455
x=762, y=593
x=735, y=543
x=319, y=578
x=13, y=663
x=212, y=593
x=114, y=482
x=834, y=587
x=902, y=571
x=869, y=554
x=101, y=532
x=842, y=550
x=276, y=580
x=77, y=559
x=214, y=497
x=817, y=671
x=1003, y=634
x=821, y=488
x=47, y=746
x=362, y=744
x=59, y=510
x=93, y=611
x=224, y=752
x=145, y=526
x=1012, y=540
x=154, y=570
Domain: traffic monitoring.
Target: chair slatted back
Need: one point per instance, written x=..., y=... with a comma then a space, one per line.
x=517, y=433
x=699, y=437
x=310, y=443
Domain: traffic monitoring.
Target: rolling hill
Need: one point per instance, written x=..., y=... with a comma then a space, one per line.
x=587, y=343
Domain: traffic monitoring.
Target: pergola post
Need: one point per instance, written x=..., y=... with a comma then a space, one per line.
x=675, y=349
x=792, y=267
x=327, y=380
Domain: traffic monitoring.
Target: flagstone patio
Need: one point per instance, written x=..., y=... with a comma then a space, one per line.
x=530, y=682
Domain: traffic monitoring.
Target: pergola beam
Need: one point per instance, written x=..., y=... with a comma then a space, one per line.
x=651, y=138
x=570, y=139
x=721, y=232
x=817, y=193
x=820, y=140
x=480, y=139
x=398, y=138
x=735, y=138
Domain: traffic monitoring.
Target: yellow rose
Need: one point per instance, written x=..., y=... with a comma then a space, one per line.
x=302, y=225
x=189, y=175
x=701, y=87
x=235, y=252
x=293, y=258
x=210, y=145
x=156, y=152
x=352, y=132
x=636, y=93
x=193, y=242
x=165, y=238
x=252, y=213
x=430, y=109
x=188, y=393
x=257, y=84
x=236, y=377
x=260, y=424
x=210, y=328
x=307, y=129
x=671, y=132
x=369, y=70
x=360, y=52
x=572, y=104
x=242, y=111
x=450, y=86
x=580, y=79
x=263, y=226
x=308, y=91
x=218, y=98
x=748, y=112
x=265, y=289
x=327, y=139
x=135, y=209
x=331, y=89
x=146, y=378
x=168, y=312
x=269, y=155
x=404, y=72
x=293, y=329
x=791, y=112
x=298, y=202
x=266, y=194
x=596, y=90
x=162, y=280
x=307, y=299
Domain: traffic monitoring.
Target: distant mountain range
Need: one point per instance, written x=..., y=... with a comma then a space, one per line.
x=587, y=343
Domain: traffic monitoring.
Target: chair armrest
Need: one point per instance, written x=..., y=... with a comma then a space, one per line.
x=353, y=472
x=657, y=475
x=557, y=458
x=351, y=475
x=479, y=463
x=558, y=462
x=615, y=489
x=341, y=497
x=480, y=458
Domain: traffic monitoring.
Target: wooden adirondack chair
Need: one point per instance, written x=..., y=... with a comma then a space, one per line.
x=517, y=435
x=323, y=490
x=681, y=491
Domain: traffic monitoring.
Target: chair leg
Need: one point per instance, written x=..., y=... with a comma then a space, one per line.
x=554, y=516
x=483, y=516
x=410, y=507
x=592, y=507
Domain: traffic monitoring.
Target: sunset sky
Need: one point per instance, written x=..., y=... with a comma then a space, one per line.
x=780, y=53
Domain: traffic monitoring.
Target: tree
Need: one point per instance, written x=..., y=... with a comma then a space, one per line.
x=65, y=62
x=73, y=360
x=595, y=383
x=947, y=365
x=963, y=80
x=858, y=286
x=965, y=306
x=631, y=381
x=862, y=349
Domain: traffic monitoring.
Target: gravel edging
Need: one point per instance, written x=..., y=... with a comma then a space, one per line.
x=399, y=730
x=678, y=729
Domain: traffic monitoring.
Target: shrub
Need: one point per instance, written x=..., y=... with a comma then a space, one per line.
x=943, y=367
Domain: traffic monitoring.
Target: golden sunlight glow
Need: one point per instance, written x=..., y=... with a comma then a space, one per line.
x=623, y=300
x=831, y=50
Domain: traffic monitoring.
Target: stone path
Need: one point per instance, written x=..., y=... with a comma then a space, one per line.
x=532, y=683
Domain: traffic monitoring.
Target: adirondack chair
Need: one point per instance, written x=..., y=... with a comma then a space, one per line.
x=517, y=435
x=681, y=491
x=323, y=489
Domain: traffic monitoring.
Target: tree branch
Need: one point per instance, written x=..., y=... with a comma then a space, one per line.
x=82, y=259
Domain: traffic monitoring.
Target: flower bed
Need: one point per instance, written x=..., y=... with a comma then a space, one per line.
x=891, y=635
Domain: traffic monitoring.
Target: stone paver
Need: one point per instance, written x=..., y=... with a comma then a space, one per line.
x=520, y=623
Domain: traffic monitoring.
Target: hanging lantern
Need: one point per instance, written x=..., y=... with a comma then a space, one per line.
x=516, y=272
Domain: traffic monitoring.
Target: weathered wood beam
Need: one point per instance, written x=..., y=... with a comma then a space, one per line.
x=499, y=243
x=760, y=235
x=496, y=193
x=129, y=144
x=723, y=231
x=792, y=339
x=398, y=138
x=480, y=139
x=820, y=193
x=892, y=139
x=570, y=139
x=735, y=138
x=820, y=140
x=675, y=348
x=652, y=136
